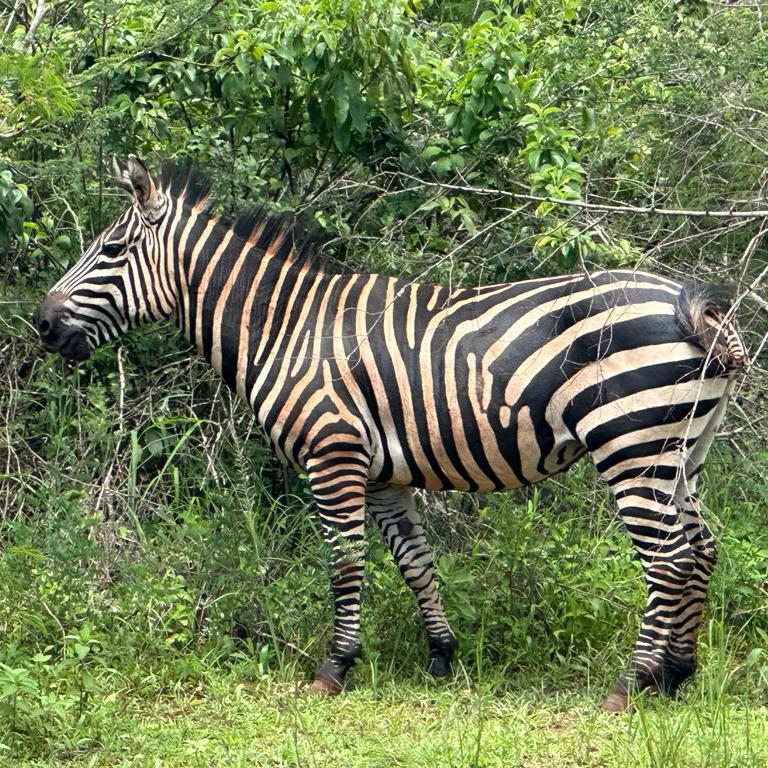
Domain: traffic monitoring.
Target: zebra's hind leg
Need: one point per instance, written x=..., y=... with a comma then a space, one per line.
x=647, y=507
x=339, y=490
x=681, y=656
x=394, y=510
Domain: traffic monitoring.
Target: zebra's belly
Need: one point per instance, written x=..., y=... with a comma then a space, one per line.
x=487, y=466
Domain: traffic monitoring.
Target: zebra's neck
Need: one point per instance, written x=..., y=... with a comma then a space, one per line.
x=234, y=284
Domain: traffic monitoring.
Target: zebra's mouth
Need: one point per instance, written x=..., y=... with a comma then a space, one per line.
x=76, y=347
x=72, y=344
x=57, y=331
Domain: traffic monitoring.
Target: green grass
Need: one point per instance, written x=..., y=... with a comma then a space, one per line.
x=231, y=722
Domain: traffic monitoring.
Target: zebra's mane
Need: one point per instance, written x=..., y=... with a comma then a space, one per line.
x=186, y=182
x=284, y=234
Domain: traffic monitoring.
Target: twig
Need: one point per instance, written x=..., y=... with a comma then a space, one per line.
x=19, y=131
x=12, y=20
x=758, y=300
x=76, y=221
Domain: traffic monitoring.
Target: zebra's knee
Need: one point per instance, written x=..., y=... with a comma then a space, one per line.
x=706, y=553
x=671, y=572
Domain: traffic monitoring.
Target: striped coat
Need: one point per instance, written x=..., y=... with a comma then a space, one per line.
x=374, y=385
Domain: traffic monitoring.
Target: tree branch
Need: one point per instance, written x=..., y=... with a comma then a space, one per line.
x=12, y=16
x=19, y=131
x=651, y=210
x=40, y=10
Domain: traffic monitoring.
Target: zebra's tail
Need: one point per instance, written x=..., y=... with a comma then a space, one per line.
x=703, y=315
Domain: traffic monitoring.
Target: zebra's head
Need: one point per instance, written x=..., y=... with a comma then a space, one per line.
x=121, y=281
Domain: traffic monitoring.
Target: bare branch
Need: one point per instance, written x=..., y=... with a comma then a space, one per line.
x=41, y=9
x=13, y=19
x=19, y=131
x=607, y=208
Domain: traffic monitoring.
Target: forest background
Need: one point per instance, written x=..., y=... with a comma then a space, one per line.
x=163, y=587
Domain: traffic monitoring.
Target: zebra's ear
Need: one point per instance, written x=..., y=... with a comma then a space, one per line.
x=121, y=177
x=144, y=188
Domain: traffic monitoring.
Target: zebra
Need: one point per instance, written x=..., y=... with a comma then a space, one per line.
x=374, y=386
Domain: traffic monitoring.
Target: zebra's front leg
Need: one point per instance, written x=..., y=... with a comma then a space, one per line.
x=394, y=510
x=339, y=491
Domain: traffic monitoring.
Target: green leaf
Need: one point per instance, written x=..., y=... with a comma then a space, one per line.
x=358, y=111
x=588, y=120
x=432, y=151
x=533, y=158
x=342, y=135
x=81, y=651
x=340, y=101
x=89, y=683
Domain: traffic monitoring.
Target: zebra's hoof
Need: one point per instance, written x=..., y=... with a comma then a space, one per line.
x=321, y=687
x=440, y=667
x=615, y=702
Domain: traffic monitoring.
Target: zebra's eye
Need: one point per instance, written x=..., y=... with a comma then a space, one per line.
x=112, y=249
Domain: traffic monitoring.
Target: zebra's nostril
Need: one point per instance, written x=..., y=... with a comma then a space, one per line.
x=44, y=326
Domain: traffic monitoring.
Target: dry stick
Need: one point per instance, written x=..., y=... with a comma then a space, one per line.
x=758, y=300
x=749, y=251
x=16, y=132
x=763, y=304
x=11, y=23
x=670, y=243
x=756, y=214
x=105, y=486
x=76, y=221
x=750, y=291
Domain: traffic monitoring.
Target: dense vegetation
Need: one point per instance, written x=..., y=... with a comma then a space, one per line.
x=153, y=554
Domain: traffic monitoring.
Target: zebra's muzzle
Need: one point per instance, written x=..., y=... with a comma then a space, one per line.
x=70, y=341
